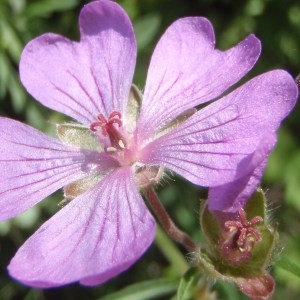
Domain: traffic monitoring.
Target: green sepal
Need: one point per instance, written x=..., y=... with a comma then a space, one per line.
x=133, y=107
x=209, y=225
x=77, y=135
x=256, y=206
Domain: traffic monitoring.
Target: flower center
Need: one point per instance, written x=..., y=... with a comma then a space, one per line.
x=244, y=231
x=108, y=129
x=122, y=146
x=238, y=238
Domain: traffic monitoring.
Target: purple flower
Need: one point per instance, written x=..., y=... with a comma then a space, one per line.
x=123, y=145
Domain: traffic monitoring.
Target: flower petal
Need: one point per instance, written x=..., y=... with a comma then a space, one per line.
x=186, y=70
x=233, y=196
x=226, y=140
x=34, y=165
x=95, y=237
x=84, y=79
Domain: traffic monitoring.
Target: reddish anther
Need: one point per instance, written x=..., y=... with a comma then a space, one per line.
x=244, y=229
x=105, y=124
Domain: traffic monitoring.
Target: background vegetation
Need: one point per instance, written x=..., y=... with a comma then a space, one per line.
x=275, y=22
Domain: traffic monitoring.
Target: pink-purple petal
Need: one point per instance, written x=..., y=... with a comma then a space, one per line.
x=186, y=70
x=95, y=237
x=218, y=144
x=86, y=78
x=34, y=165
x=231, y=197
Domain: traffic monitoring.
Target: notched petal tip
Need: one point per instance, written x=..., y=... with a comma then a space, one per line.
x=199, y=26
x=254, y=42
x=172, y=84
x=71, y=77
x=116, y=18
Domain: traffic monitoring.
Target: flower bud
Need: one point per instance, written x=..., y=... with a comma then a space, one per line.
x=240, y=247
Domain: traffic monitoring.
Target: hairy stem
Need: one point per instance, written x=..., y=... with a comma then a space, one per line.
x=172, y=230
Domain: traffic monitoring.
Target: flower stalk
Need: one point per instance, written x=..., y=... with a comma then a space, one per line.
x=166, y=222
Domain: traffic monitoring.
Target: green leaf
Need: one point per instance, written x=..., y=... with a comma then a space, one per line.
x=228, y=289
x=188, y=284
x=145, y=290
x=131, y=7
x=289, y=266
x=146, y=28
x=283, y=152
x=178, y=262
x=10, y=40
x=42, y=8
x=292, y=179
x=16, y=91
x=4, y=73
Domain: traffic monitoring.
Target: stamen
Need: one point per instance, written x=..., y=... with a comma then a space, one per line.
x=113, y=118
x=108, y=129
x=244, y=229
x=239, y=237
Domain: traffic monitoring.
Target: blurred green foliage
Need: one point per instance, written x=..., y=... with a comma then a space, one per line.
x=275, y=22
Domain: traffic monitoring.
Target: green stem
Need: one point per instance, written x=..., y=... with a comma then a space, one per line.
x=171, y=252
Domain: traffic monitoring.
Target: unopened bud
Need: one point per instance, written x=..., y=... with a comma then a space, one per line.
x=240, y=247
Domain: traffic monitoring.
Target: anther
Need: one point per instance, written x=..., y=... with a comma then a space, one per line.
x=121, y=144
x=111, y=150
